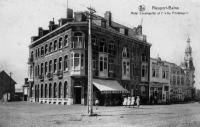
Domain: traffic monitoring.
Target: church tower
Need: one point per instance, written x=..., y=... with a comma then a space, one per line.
x=188, y=60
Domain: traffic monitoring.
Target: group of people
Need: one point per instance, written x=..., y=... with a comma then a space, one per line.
x=131, y=101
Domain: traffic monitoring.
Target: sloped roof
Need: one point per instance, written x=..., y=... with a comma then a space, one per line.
x=5, y=76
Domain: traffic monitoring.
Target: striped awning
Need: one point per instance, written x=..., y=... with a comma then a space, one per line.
x=109, y=86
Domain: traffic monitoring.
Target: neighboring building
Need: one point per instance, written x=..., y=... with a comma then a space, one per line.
x=189, y=69
x=177, y=83
x=159, y=81
x=58, y=61
x=18, y=94
x=7, y=87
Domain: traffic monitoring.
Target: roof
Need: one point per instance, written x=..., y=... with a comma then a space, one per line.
x=109, y=86
x=5, y=76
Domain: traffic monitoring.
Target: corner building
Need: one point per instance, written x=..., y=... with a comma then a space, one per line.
x=58, y=61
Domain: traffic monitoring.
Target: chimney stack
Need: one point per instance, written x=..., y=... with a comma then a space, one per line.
x=108, y=17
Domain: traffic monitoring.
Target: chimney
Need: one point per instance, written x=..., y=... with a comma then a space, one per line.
x=69, y=13
x=108, y=17
x=40, y=32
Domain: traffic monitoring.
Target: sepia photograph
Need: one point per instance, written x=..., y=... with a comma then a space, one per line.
x=99, y=63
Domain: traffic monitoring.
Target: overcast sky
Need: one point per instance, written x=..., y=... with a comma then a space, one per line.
x=20, y=19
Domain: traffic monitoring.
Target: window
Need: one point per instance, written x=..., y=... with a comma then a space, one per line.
x=143, y=71
x=105, y=62
x=125, y=53
x=60, y=43
x=77, y=40
x=50, y=66
x=82, y=60
x=101, y=64
x=35, y=70
x=38, y=70
x=76, y=60
x=55, y=65
x=50, y=47
x=66, y=62
x=55, y=45
x=102, y=46
x=45, y=68
x=60, y=64
x=46, y=49
x=153, y=70
x=66, y=40
x=38, y=52
x=41, y=69
x=42, y=51
x=163, y=74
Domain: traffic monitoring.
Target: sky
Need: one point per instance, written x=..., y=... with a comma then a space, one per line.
x=20, y=19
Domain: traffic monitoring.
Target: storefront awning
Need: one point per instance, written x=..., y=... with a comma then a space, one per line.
x=109, y=86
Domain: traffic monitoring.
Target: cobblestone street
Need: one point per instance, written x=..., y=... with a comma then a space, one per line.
x=24, y=114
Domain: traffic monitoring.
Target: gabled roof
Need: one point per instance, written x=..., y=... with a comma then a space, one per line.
x=4, y=76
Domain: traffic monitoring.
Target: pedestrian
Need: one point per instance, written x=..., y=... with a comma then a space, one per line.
x=125, y=101
x=129, y=102
x=138, y=101
x=96, y=103
x=132, y=101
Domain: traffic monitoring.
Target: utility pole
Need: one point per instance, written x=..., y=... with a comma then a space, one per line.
x=90, y=76
x=9, y=86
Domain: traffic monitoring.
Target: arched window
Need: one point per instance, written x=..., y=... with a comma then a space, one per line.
x=65, y=89
x=60, y=63
x=59, y=90
x=55, y=65
x=77, y=40
x=50, y=47
x=55, y=45
x=41, y=91
x=50, y=66
x=60, y=43
x=66, y=40
x=50, y=90
x=45, y=67
x=54, y=91
x=42, y=66
x=46, y=49
x=66, y=62
x=42, y=51
x=45, y=91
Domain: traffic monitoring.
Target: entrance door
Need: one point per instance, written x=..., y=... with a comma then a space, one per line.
x=77, y=93
x=37, y=93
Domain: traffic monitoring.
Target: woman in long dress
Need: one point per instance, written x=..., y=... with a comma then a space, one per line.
x=125, y=101
x=138, y=101
x=132, y=101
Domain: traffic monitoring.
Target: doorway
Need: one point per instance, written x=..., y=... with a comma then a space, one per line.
x=77, y=94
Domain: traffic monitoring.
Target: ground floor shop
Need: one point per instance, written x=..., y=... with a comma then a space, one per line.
x=159, y=93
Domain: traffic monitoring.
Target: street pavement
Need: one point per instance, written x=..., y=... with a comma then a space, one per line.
x=26, y=114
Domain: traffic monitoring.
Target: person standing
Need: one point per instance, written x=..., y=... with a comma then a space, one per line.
x=96, y=103
x=132, y=101
x=138, y=101
x=125, y=101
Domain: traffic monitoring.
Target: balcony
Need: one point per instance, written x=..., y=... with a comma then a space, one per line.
x=59, y=74
x=41, y=77
x=30, y=60
x=50, y=76
x=78, y=72
x=78, y=42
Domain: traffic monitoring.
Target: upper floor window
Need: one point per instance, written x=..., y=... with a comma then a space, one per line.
x=38, y=52
x=77, y=40
x=50, y=66
x=55, y=45
x=77, y=61
x=41, y=68
x=125, y=53
x=42, y=51
x=60, y=43
x=103, y=65
x=66, y=40
x=102, y=46
x=60, y=64
x=55, y=65
x=66, y=62
x=45, y=67
x=125, y=69
x=46, y=49
x=50, y=47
